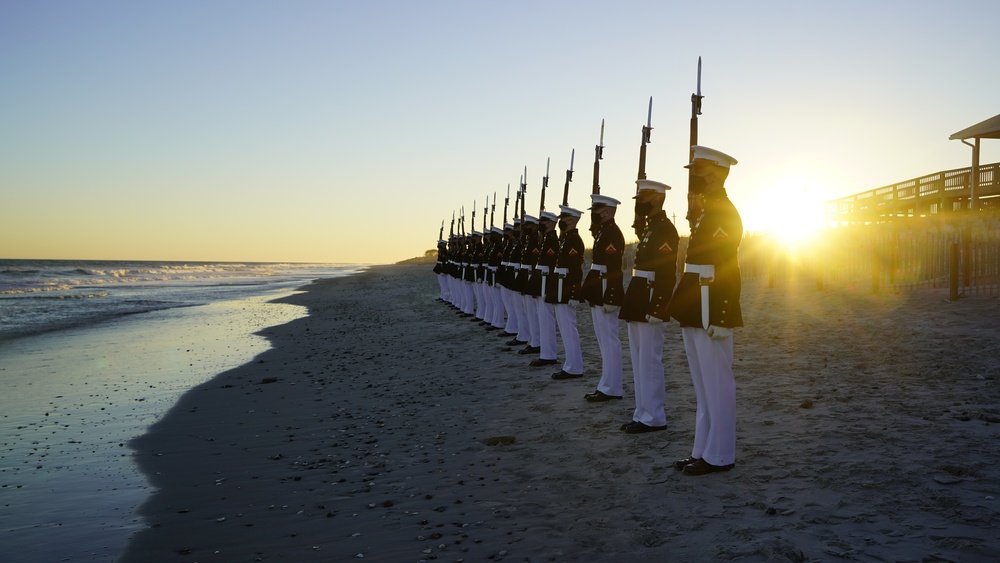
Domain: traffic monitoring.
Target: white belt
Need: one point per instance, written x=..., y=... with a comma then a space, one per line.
x=525, y=266
x=600, y=268
x=492, y=268
x=505, y=264
x=542, y=269
x=703, y=270
x=562, y=271
x=649, y=275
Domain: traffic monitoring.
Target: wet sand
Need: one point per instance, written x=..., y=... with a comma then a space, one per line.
x=71, y=401
x=386, y=427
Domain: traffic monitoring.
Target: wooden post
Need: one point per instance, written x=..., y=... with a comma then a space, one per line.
x=967, y=254
x=876, y=263
x=953, y=277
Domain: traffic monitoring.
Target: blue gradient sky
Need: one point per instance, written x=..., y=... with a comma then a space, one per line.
x=346, y=131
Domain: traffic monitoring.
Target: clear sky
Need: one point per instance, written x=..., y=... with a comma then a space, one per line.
x=342, y=131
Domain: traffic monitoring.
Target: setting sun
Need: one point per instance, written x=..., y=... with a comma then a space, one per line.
x=792, y=211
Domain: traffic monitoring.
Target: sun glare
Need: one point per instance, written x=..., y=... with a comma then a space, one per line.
x=791, y=211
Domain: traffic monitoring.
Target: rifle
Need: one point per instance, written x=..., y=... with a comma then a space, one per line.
x=639, y=224
x=506, y=202
x=451, y=230
x=441, y=232
x=596, y=189
x=485, y=209
x=545, y=184
x=569, y=178
x=461, y=222
x=473, y=222
x=493, y=209
x=524, y=194
x=695, y=112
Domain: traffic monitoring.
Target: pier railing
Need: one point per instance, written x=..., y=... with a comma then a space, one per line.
x=940, y=192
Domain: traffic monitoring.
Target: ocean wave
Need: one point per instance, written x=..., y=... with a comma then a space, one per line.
x=40, y=295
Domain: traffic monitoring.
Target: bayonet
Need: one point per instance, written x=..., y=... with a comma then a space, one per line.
x=639, y=224
x=569, y=178
x=693, y=140
x=506, y=202
x=598, y=155
x=545, y=184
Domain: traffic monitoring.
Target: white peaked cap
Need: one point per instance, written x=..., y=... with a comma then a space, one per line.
x=531, y=219
x=566, y=210
x=508, y=226
x=496, y=230
x=718, y=157
x=517, y=221
x=598, y=199
x=651, y=186
x=549, y=216
x=476, y=234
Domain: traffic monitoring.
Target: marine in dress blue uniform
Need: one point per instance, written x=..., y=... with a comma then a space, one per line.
x=565, y=294
x=542, y=280
x=604, y=290
x=706, y=303
x=645, y=306
x=530, y=252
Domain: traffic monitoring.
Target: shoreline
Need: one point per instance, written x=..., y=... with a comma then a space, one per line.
x=866, y=430
x=72, y=400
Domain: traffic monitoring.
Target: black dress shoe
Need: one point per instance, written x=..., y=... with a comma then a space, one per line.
x=627, y=425
x=540, y=362
x=640, y=428
x=529, y=349
x=514, y=342
x=505, y=334
x=563, y=375
x=680, y=463
x=491, y=327
x=598, y=397
x=702, y=467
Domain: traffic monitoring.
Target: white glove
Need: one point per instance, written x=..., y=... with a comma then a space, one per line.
x=572, y=302
x=718, y=332
x=653, y=320
x=609, y=308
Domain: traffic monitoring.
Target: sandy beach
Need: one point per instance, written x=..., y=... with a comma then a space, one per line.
x=385, y=427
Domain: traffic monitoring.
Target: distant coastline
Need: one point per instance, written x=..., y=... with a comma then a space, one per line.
x=429, y=258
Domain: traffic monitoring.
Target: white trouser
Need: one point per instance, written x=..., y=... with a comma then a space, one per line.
x=498, y=306
x=443, y=286
x=711, y=363
x=477, y=290
x=645, y=343
x=606, y=331
x=508, y=304
x=531, y=312
x=566, y=319
x=452, y=294
x=523, y=327
x=490, y=304
x=546, y=328
x=468, y=304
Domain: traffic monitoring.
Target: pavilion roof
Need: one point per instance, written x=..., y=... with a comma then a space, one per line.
x=989, y=129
